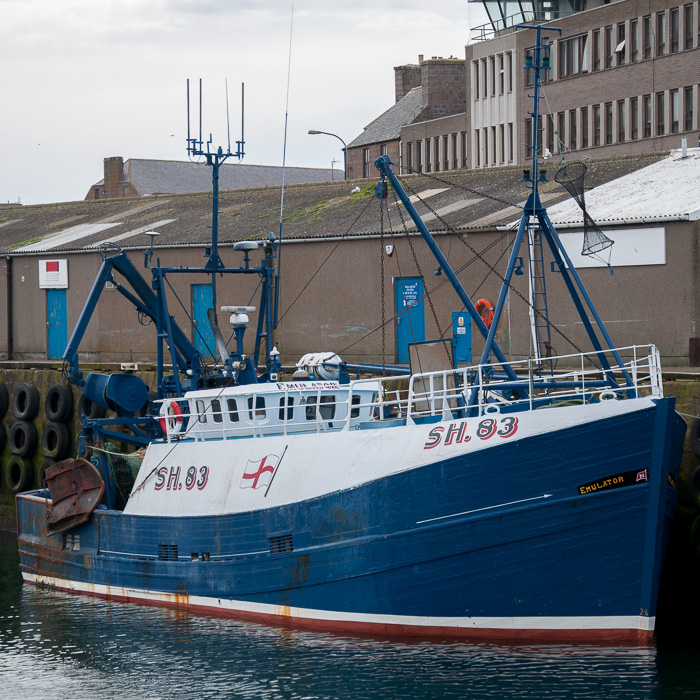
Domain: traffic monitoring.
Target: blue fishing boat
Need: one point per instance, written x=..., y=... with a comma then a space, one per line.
x=504, y=500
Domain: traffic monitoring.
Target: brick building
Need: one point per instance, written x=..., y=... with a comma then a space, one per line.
x=432, y=92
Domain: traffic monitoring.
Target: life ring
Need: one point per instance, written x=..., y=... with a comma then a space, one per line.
x=485, y=309
x=171, y=417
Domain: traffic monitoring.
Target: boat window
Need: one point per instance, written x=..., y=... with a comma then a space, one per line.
x=289, y=406
x=232, y=410
x=259, y=407
x=201, y=410
x=355, y=412
x=326, y=408
x=216, y=411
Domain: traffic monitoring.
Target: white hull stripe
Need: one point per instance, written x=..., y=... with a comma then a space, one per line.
x=607, y=622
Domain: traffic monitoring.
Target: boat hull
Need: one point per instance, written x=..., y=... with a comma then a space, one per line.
x=531, y=538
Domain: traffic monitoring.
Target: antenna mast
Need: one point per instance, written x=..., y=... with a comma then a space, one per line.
x=215, y=159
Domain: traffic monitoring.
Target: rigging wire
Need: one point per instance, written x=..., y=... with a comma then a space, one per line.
x=284, y=164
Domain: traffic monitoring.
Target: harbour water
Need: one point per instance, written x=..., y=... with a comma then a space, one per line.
x=54, y=646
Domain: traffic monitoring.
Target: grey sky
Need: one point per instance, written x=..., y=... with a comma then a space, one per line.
x=83, y=80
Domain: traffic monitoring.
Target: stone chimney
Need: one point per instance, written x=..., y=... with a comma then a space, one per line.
x=406, y=78
x=114, y=172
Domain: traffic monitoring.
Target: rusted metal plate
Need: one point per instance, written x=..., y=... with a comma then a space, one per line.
x=76, y=488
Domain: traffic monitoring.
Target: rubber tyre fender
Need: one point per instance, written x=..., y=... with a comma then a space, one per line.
x=695, y=487
x=18, y=474
x=3, y=437
x=695, y=437
x=4, y=400
x=58, y=404
x=90, y=409
x=23, y=438
x=55, y=441
x=26, y=402
x=45, y=464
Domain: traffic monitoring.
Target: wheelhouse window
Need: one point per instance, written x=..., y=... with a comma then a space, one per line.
x=201, y=410
x=286, y=402
x=326, y=408
x=232, y=410
x=216, y=413
x=259, y=408
x=355, y=410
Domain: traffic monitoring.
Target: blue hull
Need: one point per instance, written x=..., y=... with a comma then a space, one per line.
x=528, y=530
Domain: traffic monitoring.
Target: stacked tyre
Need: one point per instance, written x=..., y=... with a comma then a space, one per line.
x=22, y=438
x=56, y=438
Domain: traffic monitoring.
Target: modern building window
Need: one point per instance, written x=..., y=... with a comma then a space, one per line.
x=688, y=22
x=596, y=49
x=475, y=76
x=620, y=48
x=486, y=146
x=493, y=145
x=492, y=68
x=428, y=159
x=660, y=33
x=455, y=154
x=502, y=142
x=409, y=156
x=561, y=129
x=464, y=150
x=484, y=84
x=675, y=30
x=621, y=121
x=646, y=36
x=633, y=41
x=365, y=162
x=596, y=125
x=646, y=115
x=675, y=100
x=477, y=148
x=608, y=122
x=419, y=156
x=573, y=131
x=510, y=71
x=384, y=150
x=584, y=127
x=688, y=108
x=634, y=118
x=573, y=56
x=529, y=72
x=660, y=113
x=510, y=142
x=445, y=152
x=501, y=75
x=550, y=133
x=528, y=138
x=608, y=46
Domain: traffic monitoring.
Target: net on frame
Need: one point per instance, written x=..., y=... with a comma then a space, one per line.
x=570, y=176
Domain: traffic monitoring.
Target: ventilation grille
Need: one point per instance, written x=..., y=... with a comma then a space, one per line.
x=280, y=544
x=167, y=552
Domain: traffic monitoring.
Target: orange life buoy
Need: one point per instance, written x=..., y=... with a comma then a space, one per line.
x=171, y=417
x=485, y=310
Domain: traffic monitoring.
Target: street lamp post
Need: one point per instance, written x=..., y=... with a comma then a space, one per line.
x=313, y=132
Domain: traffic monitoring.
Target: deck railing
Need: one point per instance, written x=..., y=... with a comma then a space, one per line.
x=446, y=394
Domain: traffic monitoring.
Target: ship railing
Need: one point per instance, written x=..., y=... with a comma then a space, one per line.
x=485, y=388
x=445, y=394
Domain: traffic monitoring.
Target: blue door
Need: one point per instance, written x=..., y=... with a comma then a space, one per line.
x=202, y=300
x=56, y=323
x=410, y=321
x=461, y=337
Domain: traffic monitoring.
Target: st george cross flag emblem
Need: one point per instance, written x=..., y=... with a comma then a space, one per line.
x=258, y=474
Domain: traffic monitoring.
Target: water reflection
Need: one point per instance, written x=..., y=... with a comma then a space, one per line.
x=55, y=646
